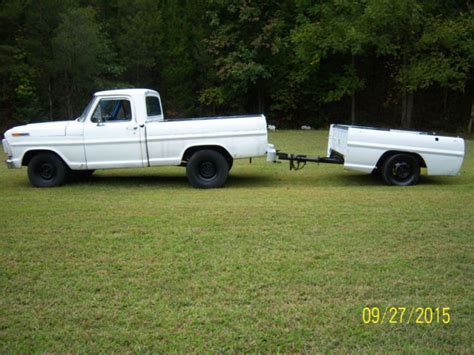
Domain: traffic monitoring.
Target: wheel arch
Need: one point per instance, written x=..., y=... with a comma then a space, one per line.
x=189, y=151
x=390, y=153
x=29, y=154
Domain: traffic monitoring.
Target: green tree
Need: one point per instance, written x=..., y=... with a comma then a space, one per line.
x=328, y=31
x=428, y=43
x=186, y=65
x=246, y=44
x=81, y=55
x=41, y=20
x=299, y=61
x=137, y=29
x=19, y=95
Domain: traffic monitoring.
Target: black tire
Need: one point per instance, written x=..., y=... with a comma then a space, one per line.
x=376, y=172
x=207, y=169
x=77, y=175
x=401, y=170
x=230, y=163
x=47, y=170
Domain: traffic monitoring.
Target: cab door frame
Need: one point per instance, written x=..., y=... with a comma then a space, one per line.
x=113, y=144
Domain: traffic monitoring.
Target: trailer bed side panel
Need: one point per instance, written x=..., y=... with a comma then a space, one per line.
x=338, y=139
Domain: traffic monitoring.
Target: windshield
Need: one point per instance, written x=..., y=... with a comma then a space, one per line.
x=84, y=113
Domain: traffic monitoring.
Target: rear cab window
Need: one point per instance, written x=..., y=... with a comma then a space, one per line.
x=153, y=107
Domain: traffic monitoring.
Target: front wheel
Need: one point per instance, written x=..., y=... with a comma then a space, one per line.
x=207, y=169
x=401, y=170
x=230, y=162
x=46, y=170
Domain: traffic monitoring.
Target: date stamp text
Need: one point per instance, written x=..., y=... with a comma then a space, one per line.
x=406, y=315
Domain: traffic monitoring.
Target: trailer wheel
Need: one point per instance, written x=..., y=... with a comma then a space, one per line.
x=207, y=169
x=47, y=170
x=401, y=170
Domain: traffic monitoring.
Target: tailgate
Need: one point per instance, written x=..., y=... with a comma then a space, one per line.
x=338, y=139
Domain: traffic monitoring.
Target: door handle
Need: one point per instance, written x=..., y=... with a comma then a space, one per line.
x=132, y=128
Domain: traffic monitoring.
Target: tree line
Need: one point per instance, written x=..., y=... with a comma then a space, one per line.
x=398, y=63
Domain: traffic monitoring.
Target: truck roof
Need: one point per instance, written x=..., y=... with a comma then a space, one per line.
x=130, y=92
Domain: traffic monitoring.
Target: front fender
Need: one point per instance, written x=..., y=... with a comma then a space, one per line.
x=29, y=153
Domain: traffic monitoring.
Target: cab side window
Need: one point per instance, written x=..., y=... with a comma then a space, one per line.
x=112, y=110
x=153, y=107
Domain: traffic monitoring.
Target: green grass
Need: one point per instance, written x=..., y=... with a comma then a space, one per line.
x=137, y=260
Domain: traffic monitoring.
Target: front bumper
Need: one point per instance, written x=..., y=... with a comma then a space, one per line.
x=10, y=164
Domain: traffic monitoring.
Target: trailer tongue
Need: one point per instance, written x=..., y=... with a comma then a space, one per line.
x=299, y=161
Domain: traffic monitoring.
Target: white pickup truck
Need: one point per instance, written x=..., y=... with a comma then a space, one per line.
x=395, y=154
x=126, y=128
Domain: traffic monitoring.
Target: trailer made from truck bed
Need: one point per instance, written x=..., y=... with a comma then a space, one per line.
x=397, y=155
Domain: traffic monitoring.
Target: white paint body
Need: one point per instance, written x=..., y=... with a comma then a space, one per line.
x=363, y=147
x=140, y=142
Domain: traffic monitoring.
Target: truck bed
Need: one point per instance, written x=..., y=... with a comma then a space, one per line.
x=363, y=148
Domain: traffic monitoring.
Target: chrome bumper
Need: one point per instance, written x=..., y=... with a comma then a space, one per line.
x=10, y=164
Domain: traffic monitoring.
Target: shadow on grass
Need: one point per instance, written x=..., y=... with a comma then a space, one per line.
x=303, y=180
x=234, y=181
x=133, y=180
x=249, y=181
x=169, y=181
x=348, y=179
x=440, y=180
x=367, y=180
x=345, y=179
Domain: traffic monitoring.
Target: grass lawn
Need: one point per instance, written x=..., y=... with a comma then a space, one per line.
x=137, y=260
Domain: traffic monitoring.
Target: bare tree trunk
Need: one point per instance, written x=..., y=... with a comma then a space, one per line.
x=353, y=100
x=353, y=104
x=407, y=109
x=411, y=96
x=261, y=98
x=469, y=125
x=404, y=109
x=68, y=96
x=407, y=99
x=50, y=99
x=445, y=105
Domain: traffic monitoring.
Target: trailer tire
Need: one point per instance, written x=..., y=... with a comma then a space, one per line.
x=207, y=169
x=47, y=170
x=401, y=170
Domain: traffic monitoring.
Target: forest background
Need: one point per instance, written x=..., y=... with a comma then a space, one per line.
x=396, y=63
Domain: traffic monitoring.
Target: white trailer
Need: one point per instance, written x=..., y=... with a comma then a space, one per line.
x=397, y=155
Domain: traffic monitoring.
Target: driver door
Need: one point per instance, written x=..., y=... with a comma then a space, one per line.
x=112, y=136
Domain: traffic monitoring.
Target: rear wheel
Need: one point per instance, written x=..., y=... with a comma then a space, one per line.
x=401, y=170
x=46, y=170
x=207, y=169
